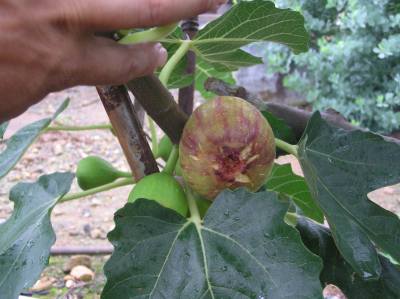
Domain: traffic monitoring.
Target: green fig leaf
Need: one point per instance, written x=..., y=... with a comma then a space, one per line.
x=340, y=273
x=26, y=237
x=341, y=168
x=218, y=45
x=220, y=41
x=242, y=249
x=281, y=129
x=19, y=143
x=283, y=181
x=205, y=71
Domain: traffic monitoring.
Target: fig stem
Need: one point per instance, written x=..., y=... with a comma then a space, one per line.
x=172, y=160
x=291, y=219
x=124, y=174
x=78, y=128
x=107, y=187
x=289, y=148
x=173, y=62
x=147, y=36
x=193, y=208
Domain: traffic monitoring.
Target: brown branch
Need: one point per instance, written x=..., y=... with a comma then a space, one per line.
x=128, y=129
x=186, y=94
x=160, y=105
x=295, y=118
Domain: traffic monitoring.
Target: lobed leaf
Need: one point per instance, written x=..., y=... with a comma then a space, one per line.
x=26, y=237
x=243, y=249
x=341, y=168
x=220, y=41
x=19, y=143
x=340, y=273
x=218, y=45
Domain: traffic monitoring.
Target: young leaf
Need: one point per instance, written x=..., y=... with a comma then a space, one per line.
x=284, y=181
x=341, y=168
x=26, y=237
x=220, y=41
x=340, y=273
x=18, y=144
x=243, y=249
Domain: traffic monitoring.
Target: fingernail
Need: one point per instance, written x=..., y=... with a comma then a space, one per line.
x=162, y=55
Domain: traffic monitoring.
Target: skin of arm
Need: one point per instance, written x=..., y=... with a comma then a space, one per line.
x=50, y=45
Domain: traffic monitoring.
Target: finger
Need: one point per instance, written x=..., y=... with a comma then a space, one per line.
x=104, y=62
x=120, y=14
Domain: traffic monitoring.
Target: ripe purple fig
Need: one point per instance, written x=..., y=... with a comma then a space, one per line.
x=226, y=144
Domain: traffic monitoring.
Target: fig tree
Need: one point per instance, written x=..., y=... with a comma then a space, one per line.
x=226, y=144
x=94, y=172
x=164, y=189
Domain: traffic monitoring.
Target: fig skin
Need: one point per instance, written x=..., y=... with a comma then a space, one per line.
x=93, y=172
x=226, y=144
x=165, y=148
x=162, y=188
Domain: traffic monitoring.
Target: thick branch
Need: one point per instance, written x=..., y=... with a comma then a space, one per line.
x=128, y=129
x=160, y=105
x=296, y=118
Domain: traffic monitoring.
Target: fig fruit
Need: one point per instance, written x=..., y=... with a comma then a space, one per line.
x=94, y=172
x=164, y=148
x=164, y=189
x=226, y=144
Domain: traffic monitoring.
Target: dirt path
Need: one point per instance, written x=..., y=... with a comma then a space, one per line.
x=86, y=222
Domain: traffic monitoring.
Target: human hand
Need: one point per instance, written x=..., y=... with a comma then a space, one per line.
x=50, y=45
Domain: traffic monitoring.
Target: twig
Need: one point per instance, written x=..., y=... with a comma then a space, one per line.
x=295, y=118
x=159, y=105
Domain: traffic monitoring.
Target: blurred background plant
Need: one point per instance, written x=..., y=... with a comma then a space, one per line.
x=354, y=64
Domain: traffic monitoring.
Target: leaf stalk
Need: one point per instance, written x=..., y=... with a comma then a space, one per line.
x=107, y=187
x=289, y=148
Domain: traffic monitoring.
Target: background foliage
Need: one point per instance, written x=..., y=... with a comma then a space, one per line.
x=353, y=65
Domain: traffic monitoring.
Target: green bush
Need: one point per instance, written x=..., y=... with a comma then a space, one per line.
x=354, y=64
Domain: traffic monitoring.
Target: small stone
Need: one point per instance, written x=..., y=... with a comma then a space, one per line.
x=43, y=284
x=77, y=260
x=68, y=277
x=95, y=202
x=82, y=273
x=69, y=284
x=333, y=292
x=58, y=213
x=73, y=233
x=87, y=229
x=86, y=213
x=58, y=150
x=98, y=234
